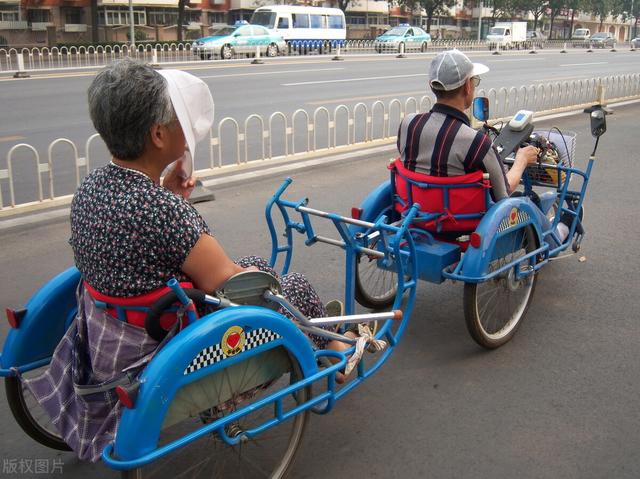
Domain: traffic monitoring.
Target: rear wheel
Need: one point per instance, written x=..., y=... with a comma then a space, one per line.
x=269, y=454
x=494, y=309
x=272, y=50
x=29, y=414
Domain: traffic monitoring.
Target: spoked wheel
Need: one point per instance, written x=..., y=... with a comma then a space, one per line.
x=272, y=50
x=226, y=52
x=30, y=415
x=375, y=287
x=494, y=309
x=267, y=455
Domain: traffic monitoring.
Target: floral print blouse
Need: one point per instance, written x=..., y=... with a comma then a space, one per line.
x=130, y=236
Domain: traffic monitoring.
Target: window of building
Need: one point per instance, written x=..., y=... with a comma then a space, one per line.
x=73, y=15
x=38, y=16
x=121, y=17
x=356, y=19
x=8, y=15
x=217, y=17
x=300, y=20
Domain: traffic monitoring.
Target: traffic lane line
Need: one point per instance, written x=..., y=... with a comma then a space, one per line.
x=4, y=139
x=276, y=72
x=371, y=97
x=581, y=64
x=346, y=80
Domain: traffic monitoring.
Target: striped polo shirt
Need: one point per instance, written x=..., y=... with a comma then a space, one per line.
x=442, y=143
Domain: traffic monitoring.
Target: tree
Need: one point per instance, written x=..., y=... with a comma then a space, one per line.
x=601, y=9
x=435, y=8
x=555, y=6
x=575, y=6
x=93, y=11
x=538, y=10
x=181, y=5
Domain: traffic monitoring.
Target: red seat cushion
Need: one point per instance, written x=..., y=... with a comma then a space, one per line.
x=145, y=300
x=469, y=200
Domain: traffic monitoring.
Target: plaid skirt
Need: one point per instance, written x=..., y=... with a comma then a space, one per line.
x=98, y=349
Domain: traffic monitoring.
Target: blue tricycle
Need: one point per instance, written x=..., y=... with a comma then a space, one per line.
x=494, y=248
x=230, y=394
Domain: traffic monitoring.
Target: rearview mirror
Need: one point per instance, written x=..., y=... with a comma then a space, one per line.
x=481, y=108
x=598, y=114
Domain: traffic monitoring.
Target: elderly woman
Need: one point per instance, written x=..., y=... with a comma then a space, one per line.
x=130, y=234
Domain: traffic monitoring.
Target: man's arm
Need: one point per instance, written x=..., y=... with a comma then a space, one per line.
x=503, y=184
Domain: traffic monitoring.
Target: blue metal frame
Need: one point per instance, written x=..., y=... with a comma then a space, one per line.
x=474, y=265
x=50, y=311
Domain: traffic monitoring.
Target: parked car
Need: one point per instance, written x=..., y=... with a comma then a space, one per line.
x=635, y=43
x=602, y=40
x=240, y=38
x=402, y=38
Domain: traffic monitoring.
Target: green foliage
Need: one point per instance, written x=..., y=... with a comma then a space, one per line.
x=431, y=7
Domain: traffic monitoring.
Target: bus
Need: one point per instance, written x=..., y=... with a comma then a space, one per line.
x=303, y=27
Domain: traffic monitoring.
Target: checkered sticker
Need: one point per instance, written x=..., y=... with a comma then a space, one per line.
x=214, y=354
x=516, y=217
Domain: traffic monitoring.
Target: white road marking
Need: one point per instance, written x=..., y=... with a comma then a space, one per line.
x=344, y=80
x=527, y=59
x=272, y=73
x=580, y=64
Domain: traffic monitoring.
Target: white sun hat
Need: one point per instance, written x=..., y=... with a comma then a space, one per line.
x=193, y=104
x=450, y=69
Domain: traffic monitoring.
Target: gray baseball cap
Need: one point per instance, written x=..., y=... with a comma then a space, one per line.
x=450, y=69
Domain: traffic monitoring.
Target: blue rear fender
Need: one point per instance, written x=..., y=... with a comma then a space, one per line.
x=48, y=314
x=504, y=217
x=376, y=203
x=173, y=367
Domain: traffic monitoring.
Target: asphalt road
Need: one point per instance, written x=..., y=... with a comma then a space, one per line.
x=50, y=106
x=559, y=401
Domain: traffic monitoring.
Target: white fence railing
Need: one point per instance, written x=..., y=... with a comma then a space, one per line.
x=95, y=56
x=236, y=144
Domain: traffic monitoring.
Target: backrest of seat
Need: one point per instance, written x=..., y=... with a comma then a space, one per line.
x=448, y=196
x=134, y=309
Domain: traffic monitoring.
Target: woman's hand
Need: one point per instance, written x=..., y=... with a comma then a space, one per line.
x=177, y=181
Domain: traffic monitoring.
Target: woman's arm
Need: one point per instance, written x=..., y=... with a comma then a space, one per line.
x=208, y=265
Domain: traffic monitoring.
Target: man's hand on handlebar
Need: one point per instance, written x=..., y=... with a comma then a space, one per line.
x=527, y=155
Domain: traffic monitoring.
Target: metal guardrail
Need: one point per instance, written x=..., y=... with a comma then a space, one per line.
x=95, y=56
x=231, y=141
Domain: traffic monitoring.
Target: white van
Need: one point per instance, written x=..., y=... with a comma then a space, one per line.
x=316, y=27
x=580, y=37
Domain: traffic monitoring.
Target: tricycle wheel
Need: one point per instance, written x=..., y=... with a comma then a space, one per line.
x=375, y=287
x=493, y=309
x=268, y=454
x=30, y=416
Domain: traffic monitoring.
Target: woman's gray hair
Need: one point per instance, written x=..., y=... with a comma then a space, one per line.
x=125, y=100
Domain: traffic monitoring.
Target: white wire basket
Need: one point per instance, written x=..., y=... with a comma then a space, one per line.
x=547, y=172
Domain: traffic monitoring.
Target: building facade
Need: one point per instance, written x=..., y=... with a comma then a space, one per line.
x=55, y=22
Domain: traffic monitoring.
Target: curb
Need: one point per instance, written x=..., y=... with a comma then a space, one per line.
x=58, y=215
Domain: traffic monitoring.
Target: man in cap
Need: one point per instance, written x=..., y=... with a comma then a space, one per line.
x=441, y=142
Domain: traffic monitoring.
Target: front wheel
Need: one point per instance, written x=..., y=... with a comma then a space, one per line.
x=375, y=287
x=270, y=453
x=494, y=309
x=423, y=47
x=226, y=52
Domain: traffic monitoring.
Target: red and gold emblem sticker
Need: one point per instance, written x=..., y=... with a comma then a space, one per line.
x=233, y=341
x=513, y=216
